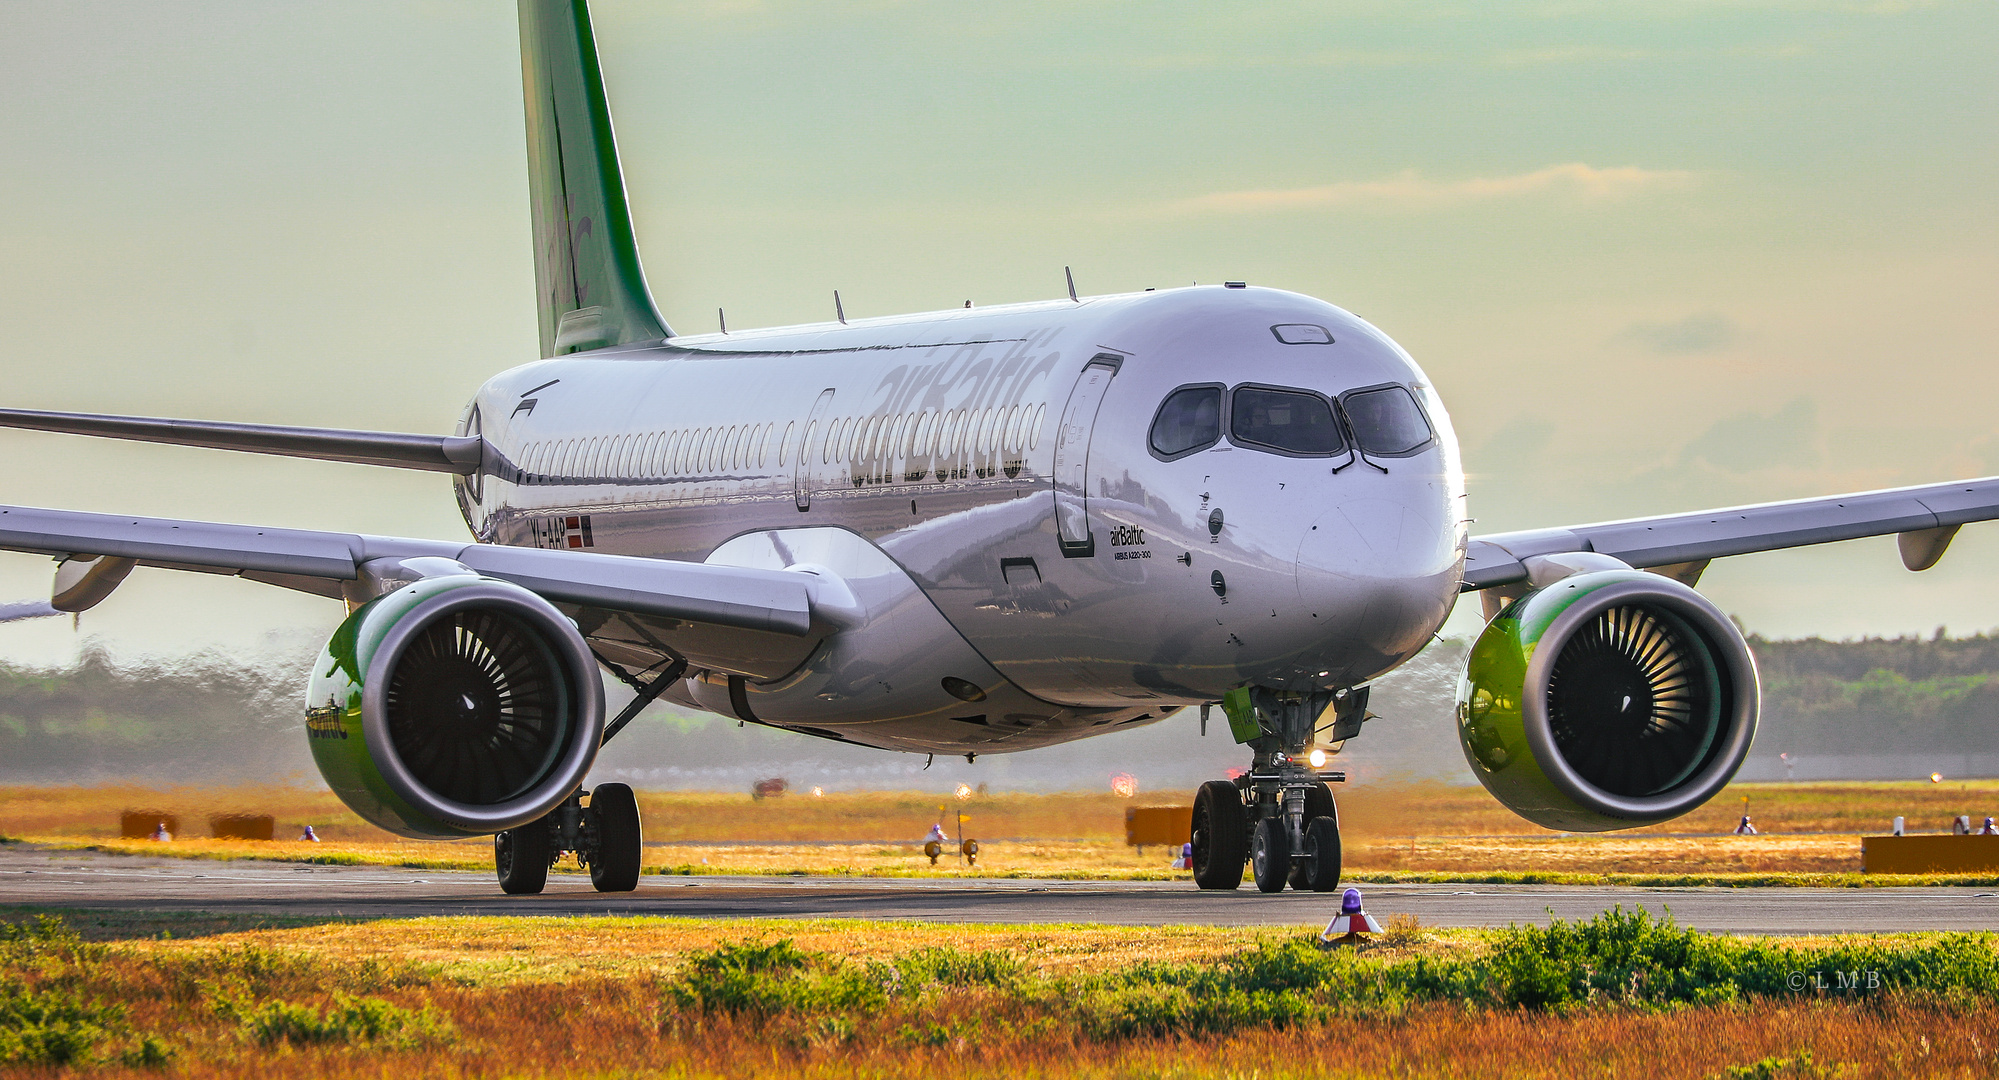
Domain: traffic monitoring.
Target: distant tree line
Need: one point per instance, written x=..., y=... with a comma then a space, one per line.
x=1905, y=694
x=191, y=719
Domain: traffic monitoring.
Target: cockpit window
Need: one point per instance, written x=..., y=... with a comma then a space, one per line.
x=1191, y=419
x=1386, y=421
x=1289, y=421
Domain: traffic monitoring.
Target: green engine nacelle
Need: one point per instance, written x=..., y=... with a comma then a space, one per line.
x=1607, y=700
x=454, y=706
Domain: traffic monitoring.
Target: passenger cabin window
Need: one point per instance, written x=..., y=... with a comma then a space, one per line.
x=1189, y=420
x=1386, y=421
x=1288, y=421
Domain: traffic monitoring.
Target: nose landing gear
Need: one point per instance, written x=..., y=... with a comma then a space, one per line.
x=1280, y=817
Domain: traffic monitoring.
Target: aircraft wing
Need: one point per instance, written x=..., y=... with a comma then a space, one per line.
x=776, y=601
x=431, y=453
x=1925, y=518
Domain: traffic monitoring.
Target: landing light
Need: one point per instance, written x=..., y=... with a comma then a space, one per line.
x=1317, y=758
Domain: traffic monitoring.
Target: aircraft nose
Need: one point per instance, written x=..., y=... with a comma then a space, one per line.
x=1378, y=573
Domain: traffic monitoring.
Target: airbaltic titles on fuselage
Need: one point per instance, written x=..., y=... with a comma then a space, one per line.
x=967, y=416
x=1126, y=537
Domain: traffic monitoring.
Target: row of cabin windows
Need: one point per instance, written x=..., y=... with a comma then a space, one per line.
x=657, y=453
x=1010, y=429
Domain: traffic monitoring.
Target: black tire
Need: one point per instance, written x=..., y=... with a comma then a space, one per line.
x=614, y=866
x=522, y=857
x=1318, y=804
x=1270, y=855
x=1220, y=836
x=1320, y=868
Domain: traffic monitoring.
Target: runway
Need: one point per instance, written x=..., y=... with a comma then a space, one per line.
x=81, y=879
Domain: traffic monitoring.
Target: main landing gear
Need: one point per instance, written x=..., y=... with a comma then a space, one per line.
x=1280, y=817
x=605, y=836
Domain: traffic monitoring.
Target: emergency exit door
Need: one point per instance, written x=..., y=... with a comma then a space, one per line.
x=1072, y=457
x=801, y=467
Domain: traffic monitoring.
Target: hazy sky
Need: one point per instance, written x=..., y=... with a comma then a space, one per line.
x=1656, y=257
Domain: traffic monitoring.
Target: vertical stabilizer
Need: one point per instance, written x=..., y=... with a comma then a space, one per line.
x=590, y=288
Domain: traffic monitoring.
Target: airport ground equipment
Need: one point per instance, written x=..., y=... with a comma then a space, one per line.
x=966, y=532
x=1929, y=853
x=1350, y=925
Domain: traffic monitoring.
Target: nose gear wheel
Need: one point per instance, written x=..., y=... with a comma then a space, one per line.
x=1270, y=855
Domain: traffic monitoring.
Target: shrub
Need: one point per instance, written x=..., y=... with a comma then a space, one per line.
x=366, y=1020
x=950, y=967
x=45, y=943
x=53, y=1026
x=1618, y=959
x=61, y=1027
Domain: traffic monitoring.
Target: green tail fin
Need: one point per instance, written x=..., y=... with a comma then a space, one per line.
x=591, y=289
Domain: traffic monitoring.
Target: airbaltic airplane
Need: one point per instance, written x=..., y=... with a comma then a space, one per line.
x=966, y=532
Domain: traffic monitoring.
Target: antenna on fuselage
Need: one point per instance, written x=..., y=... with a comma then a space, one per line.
x=723, y=318
x=1072, y=283
x=839, y=312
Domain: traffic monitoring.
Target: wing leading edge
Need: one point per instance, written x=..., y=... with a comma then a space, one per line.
x=431, y=453
x=778, y=601
x=1925, y=517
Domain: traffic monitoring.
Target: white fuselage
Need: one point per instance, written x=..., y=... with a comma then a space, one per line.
x=987, y=481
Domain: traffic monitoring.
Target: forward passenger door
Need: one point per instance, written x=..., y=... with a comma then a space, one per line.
x=1072, y=457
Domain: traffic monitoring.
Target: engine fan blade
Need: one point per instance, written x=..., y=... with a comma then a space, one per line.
x=475, y=707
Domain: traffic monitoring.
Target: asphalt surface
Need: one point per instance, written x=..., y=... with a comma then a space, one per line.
x=80, y=879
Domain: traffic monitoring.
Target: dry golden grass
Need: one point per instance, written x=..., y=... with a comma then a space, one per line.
x=1389, y=829
x=504, y=951
x=566, y=997
x=1615, y=853
x=611, y=1030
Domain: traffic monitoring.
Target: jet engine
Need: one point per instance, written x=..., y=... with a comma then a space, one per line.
x=455, y=706
x=1606, y=700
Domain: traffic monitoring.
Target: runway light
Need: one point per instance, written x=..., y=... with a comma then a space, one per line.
x=1936, y=778
x=1317, y=758
x=818, y=792
x=964, y=792
x=1124, y=785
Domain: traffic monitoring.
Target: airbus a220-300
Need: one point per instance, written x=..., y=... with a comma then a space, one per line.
x=969, y=532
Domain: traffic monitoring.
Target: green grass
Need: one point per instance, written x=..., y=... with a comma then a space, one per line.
x=1621, y=960
x=848, y=1006
x=369, y=1021
x=48, y=1016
